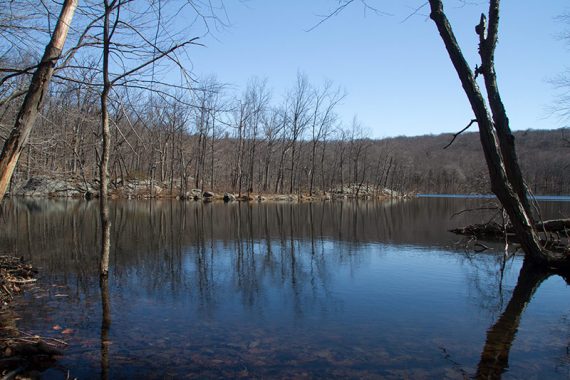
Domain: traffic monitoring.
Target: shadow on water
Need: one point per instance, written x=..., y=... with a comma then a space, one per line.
x=495, y=355
x=352, y=289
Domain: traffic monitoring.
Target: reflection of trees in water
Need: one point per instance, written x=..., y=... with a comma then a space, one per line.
x=495, y=355
x=245, y=252
x=563, y=361
x=105, y=325
x=261, y=265
x=485, y=275
x=155, y=241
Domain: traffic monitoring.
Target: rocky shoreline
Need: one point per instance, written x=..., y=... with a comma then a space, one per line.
x=46, y=187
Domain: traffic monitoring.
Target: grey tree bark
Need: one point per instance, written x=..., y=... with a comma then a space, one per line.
x=28, y=113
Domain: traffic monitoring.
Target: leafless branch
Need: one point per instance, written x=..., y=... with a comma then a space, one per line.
x=473, y=209
x=343, y=4
x=415, y=12
x=156, y=58
x=12, y=96
x=460, y=132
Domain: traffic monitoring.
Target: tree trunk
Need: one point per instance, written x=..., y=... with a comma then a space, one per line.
x=106, y=144
x=505, y=188
x=32, y=102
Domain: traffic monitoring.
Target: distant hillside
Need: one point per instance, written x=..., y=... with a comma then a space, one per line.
x=544, y=156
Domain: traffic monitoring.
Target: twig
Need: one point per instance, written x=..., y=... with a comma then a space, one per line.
x=15, y=281
x=12, y=374
x=483, y=247
x=415, y=12
x=460, y=132
x=7, y=291
x=472, y=209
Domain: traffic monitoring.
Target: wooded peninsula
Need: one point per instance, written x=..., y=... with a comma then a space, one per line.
x=165, y=148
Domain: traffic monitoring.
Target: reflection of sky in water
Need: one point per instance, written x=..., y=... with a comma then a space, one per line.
x=189, y=299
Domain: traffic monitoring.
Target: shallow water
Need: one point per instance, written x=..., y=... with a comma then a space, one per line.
x=336, y=289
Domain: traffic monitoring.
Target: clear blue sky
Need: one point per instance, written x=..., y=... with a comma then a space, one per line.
x=397, y=74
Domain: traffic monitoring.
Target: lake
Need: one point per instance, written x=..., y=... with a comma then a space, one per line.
x=279, y=290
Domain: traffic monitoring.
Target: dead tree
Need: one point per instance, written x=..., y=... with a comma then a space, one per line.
x=16, y=142
x=494, y=131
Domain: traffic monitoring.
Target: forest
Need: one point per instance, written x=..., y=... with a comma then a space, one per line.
x=200, y=133
x=214, y=142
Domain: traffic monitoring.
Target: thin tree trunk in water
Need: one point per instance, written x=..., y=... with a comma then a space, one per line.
x=32, y=102
x=104, y=165
x=495, y=356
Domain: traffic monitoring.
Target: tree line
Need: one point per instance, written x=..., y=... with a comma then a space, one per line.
x=198, y=133
x=211, y=139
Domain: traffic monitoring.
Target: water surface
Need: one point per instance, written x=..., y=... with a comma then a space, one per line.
x=334, y=289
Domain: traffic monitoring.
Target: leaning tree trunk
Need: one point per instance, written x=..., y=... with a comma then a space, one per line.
x=34, y=97
x=498, y=148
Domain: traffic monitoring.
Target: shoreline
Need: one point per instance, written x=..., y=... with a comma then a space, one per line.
x=43, y=187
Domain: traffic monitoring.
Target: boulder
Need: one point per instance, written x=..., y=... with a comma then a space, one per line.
x=228, y=197
x=53, y=187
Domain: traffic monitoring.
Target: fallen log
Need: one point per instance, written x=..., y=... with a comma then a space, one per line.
x=487, y=230
x=494, y=229
x=27, y=349
x=554, y=225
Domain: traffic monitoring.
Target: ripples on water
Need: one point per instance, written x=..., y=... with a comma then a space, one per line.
x=361, y=290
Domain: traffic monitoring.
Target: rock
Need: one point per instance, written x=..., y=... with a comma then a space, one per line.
x=285, y=198
x=391, y=193
x=53, y=187
x=208, y=194
x=228, y=197
x=196, y=194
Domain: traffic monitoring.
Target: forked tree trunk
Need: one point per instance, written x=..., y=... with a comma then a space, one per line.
x=498, y=147
x=34, y=98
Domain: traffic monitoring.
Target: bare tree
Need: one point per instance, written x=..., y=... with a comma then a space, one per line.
x=561, y=83
x=16, y=142
x=323, y=119
x=494, y=131
x=130, y=64
x=299, y=117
